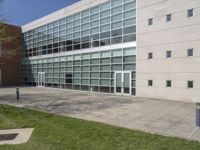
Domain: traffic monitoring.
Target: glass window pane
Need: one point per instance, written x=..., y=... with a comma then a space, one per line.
x=77, y=22
x=131, y=29
x=129, y=67
x=76, y=81
x=94, y=82
x=69, y=19
x=105, y=82
x=105, y=35
x=117, y=32
x=105, y=28
x=77, y=75
x=94, y=61
x=77, y=16
x=128, y=59
x=77, y=57
x=77, y=28
x=129, y=38
x=131, y=21
x=69, y=63
x=116, y=17
x=77, y=68
x=105, y=68
x=85, y=26
x=70, y=30
x=105, y=6
x=105, y=42
x=85, y=39
x=85, y=20
x=117, y=52
x=117, y=9
x=95, y=55
x=130, y=51
x=85, y=81
x=105, y=20
x=95, y=30
x=116, y=40
x=85, y=74
x=85, y=13
x=117, y=60
x=77, y=35
x=105, y=61
x=85, y=32
x=116, y=2
x=69, y=25
x=126, y=1
x=106, y=75
x=94, y=23
x=69, y=58
x=94, y=68
x=105, y=13
x=94, y=17
x=94, y=75
x=85, y=62
x=86, y=68
x=129, y=14
x=86, y=56
x=130, y=5
x=117, y=67
x=117, y=25
x=106, y=54
x=94, y=9
x=95, y=37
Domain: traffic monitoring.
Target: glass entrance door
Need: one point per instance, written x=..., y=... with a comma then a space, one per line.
x=41, y=79
x=122, y=82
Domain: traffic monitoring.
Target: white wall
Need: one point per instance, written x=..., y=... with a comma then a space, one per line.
x=178, y=35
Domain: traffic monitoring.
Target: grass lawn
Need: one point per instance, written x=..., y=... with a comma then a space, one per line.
x=53, y=132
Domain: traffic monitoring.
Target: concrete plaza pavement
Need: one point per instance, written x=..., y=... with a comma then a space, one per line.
x=170, y=118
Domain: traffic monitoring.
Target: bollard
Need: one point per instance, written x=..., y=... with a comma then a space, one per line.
x=198, y=114
x=17, y=94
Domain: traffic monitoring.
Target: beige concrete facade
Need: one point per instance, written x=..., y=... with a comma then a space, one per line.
x=178, y=35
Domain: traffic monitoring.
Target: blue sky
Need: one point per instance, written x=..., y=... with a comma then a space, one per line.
x=20, y=12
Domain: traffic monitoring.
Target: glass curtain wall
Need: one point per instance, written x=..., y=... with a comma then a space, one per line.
x=109, y=23
x=88, y=71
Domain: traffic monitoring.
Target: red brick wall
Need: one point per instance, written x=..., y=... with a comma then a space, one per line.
x=10, y=59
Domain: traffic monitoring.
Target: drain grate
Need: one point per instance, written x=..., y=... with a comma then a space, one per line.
x=6, y=137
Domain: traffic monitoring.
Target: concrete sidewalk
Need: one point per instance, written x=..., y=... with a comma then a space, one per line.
x=163, y=117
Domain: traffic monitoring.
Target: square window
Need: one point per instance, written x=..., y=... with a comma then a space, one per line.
x=168, y=17
x=150, y=55
x=150, y=21
x=190, y=52
x=168, y=54
x=190, y=84
x=190, y=12
x=168, y=83
x=150, y=82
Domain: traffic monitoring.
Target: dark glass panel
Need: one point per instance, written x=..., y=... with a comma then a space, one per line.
x=76, y=47
x=131, y=29
x=117, y=32
x=85, y=45
x=105, y=42
x=105, y=35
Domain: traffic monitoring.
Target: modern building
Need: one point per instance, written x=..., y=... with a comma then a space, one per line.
x=10, y=48
x=92, y=46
